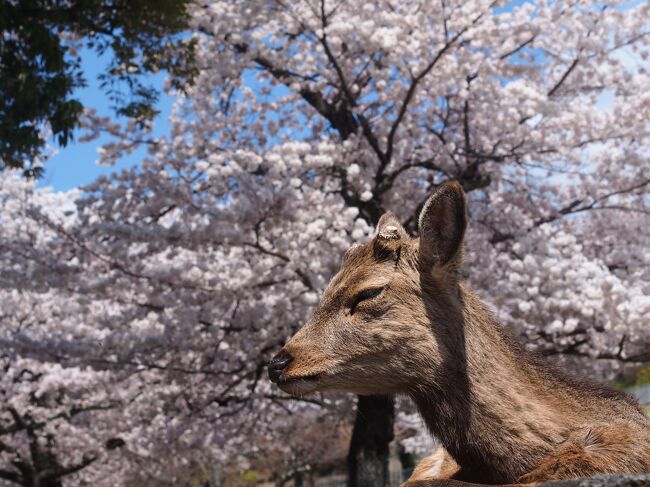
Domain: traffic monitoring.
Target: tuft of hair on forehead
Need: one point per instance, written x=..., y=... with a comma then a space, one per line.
x=373, y=252
x=356, y=255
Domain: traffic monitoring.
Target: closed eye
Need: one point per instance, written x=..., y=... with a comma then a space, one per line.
x=364, y=295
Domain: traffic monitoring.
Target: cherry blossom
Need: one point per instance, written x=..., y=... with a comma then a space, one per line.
x=138, y=312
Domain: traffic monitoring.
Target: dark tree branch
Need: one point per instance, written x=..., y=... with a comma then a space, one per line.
x=566, y=74
x=415, y=80
x=577, y=206
x=518, y=48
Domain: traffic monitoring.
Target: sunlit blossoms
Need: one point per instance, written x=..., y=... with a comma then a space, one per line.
x=138, y=313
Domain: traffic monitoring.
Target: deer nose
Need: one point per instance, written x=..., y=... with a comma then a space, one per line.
x=278, y=364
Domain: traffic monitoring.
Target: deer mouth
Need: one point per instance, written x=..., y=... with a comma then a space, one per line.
x=300, y=378
x=302, y=384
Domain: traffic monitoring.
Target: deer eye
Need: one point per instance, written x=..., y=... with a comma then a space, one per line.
x=365, y=294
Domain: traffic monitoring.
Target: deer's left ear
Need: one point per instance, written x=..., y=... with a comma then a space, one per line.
x=442, y=226
x=389, y=228
x=389, y=238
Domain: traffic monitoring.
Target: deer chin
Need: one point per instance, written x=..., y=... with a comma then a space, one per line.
x=300, y=385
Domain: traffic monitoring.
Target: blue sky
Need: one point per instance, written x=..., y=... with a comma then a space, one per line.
x=76, y=164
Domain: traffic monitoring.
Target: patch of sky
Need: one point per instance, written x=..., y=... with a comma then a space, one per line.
x=76, y=164
x=508, y=6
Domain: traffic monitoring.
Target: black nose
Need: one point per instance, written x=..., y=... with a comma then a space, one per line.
x=278, y=364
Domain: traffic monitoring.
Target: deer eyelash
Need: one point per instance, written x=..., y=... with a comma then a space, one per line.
x=364, y=295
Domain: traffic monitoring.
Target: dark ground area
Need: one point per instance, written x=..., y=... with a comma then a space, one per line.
x=635, y=480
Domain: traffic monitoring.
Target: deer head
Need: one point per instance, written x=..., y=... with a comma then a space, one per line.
x=387, y=311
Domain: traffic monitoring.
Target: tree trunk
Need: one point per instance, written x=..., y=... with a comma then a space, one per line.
x=373, y=431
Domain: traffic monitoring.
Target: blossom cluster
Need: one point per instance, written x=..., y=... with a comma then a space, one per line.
x=137, y=313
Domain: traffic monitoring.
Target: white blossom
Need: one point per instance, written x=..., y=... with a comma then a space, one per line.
x=148, y=302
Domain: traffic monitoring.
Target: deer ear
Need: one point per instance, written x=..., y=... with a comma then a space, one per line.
x=389, y=228
x=389, y=238
x=442, y=226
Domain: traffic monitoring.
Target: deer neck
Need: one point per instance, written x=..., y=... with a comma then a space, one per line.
x=482, y=399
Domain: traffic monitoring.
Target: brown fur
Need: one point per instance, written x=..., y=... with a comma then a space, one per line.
x=502, y=414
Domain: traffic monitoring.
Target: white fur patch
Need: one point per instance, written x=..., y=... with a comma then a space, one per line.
x=434, y=464
x=430, y=467
x=389, y=232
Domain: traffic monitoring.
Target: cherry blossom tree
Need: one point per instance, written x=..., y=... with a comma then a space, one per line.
x=152, y=303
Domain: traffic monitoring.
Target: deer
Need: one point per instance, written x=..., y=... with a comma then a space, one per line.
x=398, y=319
